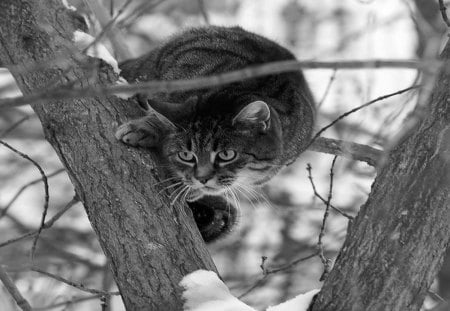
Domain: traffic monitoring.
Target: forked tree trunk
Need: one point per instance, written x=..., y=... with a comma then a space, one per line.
x=150, y=245
x=394, y=247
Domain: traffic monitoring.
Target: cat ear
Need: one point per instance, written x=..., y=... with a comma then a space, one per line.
x=255, y=113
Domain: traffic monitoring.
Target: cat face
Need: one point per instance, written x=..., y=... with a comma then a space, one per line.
x=222, y=156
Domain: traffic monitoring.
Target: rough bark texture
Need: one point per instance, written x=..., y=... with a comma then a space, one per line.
x=394, y=247
x=150, y=245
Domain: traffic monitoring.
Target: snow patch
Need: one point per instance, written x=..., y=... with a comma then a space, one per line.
x=204, y=291
x=68, y=6
x=123, y=95
x=83, y=40
x=299, y=303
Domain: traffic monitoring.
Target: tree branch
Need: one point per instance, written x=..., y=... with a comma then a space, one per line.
x=394, y=246
x=46, y=192
x=443, y=10
x=13, y=290
x=74, y=284
x=62, y=92
x=347, y=149
x=150, y=245
x=46, y=225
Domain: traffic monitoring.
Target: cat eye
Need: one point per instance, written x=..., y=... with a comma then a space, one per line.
x=227, y=155
x=186, y=156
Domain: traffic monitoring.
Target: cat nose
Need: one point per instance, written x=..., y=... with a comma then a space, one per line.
x=204, y=173
x=203, y=180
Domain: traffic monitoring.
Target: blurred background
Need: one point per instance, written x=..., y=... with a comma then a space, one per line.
x=284, y=222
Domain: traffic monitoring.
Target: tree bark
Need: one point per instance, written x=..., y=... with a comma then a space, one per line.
x=394, y=247
x=392, y=250
x=150, y=245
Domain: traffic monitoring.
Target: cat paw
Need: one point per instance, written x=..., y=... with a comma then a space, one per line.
x=135, y=134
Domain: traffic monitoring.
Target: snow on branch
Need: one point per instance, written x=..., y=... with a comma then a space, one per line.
x=204, y=291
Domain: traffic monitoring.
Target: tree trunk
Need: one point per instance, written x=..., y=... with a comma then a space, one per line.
x=150, y=245
x=394, y=247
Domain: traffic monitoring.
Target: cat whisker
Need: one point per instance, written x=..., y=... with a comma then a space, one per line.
x=164, y=180
x=241, y=190
x=178, y=195
x=234, y=197
x=258, y=196
x=247, y=190
x=183, y=199
x=175, y=191
x=170, y=186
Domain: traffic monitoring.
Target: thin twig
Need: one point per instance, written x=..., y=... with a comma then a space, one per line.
x=46, y=225
x=202, y=9
x=14, y=126
x=14, y=291
x=443, y=10
x=346, y=114
x=109, y=26
x=257, y=284
x=74, y=284
x=144, y=8
x=24, y=187
x=267, y=272
x=47, y=196
x=62, y=92
x=317, y=194
x=70, y=302
x=291, y=264
x=326, y=261
x=111, y=8
x=327, y=89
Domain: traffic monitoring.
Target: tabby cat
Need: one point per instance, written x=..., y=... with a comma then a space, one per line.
x=225, y=139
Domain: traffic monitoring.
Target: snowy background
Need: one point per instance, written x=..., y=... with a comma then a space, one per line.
x=284, y=223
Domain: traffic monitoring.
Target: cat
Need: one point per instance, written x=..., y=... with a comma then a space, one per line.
x=225, y=139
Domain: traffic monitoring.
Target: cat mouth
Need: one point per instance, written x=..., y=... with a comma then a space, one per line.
x=209, y=188
x=196, y=194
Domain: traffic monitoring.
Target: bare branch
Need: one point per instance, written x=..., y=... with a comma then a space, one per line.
x=317, y=194
x=47, y=196
x=145, y=7
x=46, y=225
x=342, y=116
x=347, y=149
x=109, y=27
x=24, y=187
x=267, y=272
x=327, y=89
x=326, y=261
x=14, y=291
x=443, y=10
x=70, y=302
x=290, y=265
x=257, y=284
x=202, y=9
x=74, y=284
x=62, y=92
x=14, y=126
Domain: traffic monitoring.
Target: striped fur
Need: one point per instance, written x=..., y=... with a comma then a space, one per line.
x=204, y=120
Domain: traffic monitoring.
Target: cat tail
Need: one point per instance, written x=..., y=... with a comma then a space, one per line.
x=214, y=216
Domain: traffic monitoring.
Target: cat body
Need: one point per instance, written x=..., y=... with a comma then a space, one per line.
x=225, y=139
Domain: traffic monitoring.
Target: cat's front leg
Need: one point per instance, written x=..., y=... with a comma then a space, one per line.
x=145, y=132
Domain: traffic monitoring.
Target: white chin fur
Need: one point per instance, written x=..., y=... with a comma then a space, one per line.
x=196, y=194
